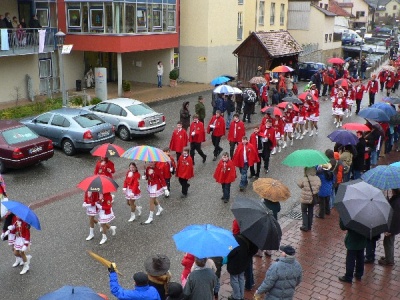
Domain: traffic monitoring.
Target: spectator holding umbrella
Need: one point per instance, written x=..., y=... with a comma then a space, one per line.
x=184, y=115
x=359, y=158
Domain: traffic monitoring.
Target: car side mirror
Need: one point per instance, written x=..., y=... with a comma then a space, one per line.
x=34, y=121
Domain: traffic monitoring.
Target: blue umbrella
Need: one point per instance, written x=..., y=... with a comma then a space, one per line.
x=392, y=100
x=205, y=240
x=374, y=114
x=72, y=293
x=396, y=164
x=343, y=137
x=383, y=177
x=387, y=108
x=220, y=80
x=23, y=212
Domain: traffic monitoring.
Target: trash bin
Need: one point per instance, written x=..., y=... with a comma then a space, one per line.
x=79, y=85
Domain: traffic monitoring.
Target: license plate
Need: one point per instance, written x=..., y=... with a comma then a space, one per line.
x=35, y=150
x=103, y=133
x=152, y=122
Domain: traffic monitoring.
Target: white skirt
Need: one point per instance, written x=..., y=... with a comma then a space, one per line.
x=295, y=119
x=338, y=112
x=350, y=102
x=91, y=210
x=11, y=239
x=313, y=118
x=104, y=219
x=277, y=135
x=153, y=192
x=19, y=243
x=288, y=127
x=129, y=195
x=301, y=120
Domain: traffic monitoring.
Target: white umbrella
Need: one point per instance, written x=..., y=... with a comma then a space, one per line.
x=224, y=89
x=236, y=91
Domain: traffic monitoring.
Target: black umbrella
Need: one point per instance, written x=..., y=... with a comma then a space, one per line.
x=249, y=95
x=292, y=99
x=395, y=120
x=257, y=223
x=363, y=208
x=376, y=125
x=231, y=78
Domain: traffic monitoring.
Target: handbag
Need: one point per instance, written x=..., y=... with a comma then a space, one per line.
x=315, y=198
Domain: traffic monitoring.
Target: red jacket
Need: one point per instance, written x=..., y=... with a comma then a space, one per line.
x=22, y=231
x=106, y=203
x=185, y=169
x=165, y=167
x=359, y=91
x=179, y=140
x=372, y=86
x=219, y=123
x=382, y=76
x=251, y=154
x=269, y=133
x=289, y=116
x=314, y=108
x=101, y=168
x=132, y=182
x=235, y=227
x=198, y=129
x=156, y=178
x=92, y=199
x=390, y=80
x=225, y=172
x=187, y=263
x=255, y=140
x=236, y=131
x=340, y=103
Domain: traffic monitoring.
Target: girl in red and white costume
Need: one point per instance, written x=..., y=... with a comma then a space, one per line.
x=313, y=111
x=351, y=95
x=390, y=81
x=301, y=120
x=105, y=167
x=288, y=129
x=339, y=107
x=132, y=190
x=89, y=202
x=278, y=124
x=156, y=186
x=106, y=215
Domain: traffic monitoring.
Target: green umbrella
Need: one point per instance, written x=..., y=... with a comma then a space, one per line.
x=305, y=158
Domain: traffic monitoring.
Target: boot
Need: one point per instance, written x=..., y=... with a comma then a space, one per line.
x=284, y=145
x=101, y=228
x=279, y=148
x=334, y=121
x=291, y=142
x=149, y=219
x=25, y=268
x=305, y=131
x=316, y=132
x=159, y=210
x=301, y=136
x=340, y=123
x=18, y=262
x=273, y=151
x=139, y=210
x=113, y=230
x=298, y=135
x=311, y=132
x=103, y=240
x=132, y=218
x=91, y=234
x=337, y=124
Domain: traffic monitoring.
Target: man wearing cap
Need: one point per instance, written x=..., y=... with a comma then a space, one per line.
x=141, y=291
x=200, y=109
x=282, y=277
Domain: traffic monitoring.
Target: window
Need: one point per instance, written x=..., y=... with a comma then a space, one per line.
x=326, y=38
x=19, y=135
x=45, y=70
x=140, y=109
x=362, y=13
x=394, y=7
x=240, y=2
x=272, y=14
x=320, y=5
x=88, y=120
x=240, y=26
x=44, y=119
x=386, y=14
x=261, y=11
x=330, y=37
x=101, y=107
x=394, y=15
x=326, y=6
x=114, y=110
x=60, y=121
x=282, y=15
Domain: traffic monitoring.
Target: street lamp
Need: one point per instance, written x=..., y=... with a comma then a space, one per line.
x=60, y=43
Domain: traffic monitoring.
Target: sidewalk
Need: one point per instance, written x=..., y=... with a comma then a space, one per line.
x=322, y=254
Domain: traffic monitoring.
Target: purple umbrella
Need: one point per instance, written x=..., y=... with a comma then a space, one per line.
x=343, y=137
x=374, y=114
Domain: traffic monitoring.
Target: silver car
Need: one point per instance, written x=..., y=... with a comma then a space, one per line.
x=130, y=117
x=72, y=129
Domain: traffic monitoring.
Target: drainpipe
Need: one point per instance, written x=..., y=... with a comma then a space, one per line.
x=255, y=17
x=119, y=71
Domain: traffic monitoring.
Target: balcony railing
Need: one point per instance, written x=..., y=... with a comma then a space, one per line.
x=26, y=41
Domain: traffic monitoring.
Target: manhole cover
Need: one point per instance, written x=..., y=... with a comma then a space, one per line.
x=296, y=215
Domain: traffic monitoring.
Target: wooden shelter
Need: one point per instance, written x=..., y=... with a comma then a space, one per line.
x=265, y=49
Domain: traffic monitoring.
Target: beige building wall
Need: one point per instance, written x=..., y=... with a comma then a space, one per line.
x=360, y=5
x=74, y=68
x=9, y=6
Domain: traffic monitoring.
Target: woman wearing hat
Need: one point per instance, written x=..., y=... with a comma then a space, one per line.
x=157, y=269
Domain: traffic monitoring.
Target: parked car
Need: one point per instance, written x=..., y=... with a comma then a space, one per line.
x=21, y=147
x=350, y=37
x=308, y=69
x=72, y=129
x=130, y=117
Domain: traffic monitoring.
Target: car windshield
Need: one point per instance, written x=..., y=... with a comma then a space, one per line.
x=140, y=109
x=346, y=35
x=18, y=135
x=88, y=120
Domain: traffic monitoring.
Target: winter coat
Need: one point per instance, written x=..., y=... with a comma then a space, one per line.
x=200, y=110
x=140, y=292
x=306, y=194
x=239, y=257
x=394, y=202
x=281, y=279
x=184, y=117
x=353, y=240
x=358, y=160
x=230, y=105
x=325, y=190
x=347, y=158
x=275, y=207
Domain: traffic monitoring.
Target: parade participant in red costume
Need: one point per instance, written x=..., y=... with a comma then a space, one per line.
x=301, y=120
x=167, y=169
x=255, y=140
x=179, y=140
x=236, y=132
x=359, y=93
x=106, y=215
x=278, y=124
x=89, y=202
x=197, y=135
x=268, y=138
x=225, y=174
x=3, y=193
x=244, y=157
x=184, y=171
x=156, y=186
x=389, y=83
x=313, y=118
x=104, y=167
x=339, y=106
x=288, y=129
x=217, y=127
x=132, y=190
x=382, y=78
x=372, y=88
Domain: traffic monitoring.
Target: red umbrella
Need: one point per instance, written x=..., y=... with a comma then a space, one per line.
x=286, y=105
x=272, y=110
x=308, y=96
x=282, y=69
x=343, y=83
x=336, y=60
x=356, y=126
x=98, y=183
x=107, y=150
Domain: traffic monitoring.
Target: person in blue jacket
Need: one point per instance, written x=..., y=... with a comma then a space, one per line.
x=142, y=291
x=326, y=175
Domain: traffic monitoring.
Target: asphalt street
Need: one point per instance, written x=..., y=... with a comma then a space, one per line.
x=59, y=251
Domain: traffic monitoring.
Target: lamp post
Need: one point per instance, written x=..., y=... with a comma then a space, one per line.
x=60, y=43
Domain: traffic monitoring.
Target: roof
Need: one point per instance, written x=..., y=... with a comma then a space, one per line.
x=336, y=9
x=276, y=43
x=324, y=11
x=345, y=4
x=374, y=3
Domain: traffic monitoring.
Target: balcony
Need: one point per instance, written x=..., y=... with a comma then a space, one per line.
x=26, y=41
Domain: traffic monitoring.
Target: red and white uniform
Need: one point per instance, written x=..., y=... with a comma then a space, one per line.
x=245, y=153
x=236, y=131
x=22, y=234
x=155, y=182
x=390, y=80
x=382, y=77
x=372, y=86
x=11, y=231
x=278, y=124
x=167, y=167
x=89, y=201
x=184, y=168
x=351, y=94
x=359, y=91
x=219, y=126
x=104, y=167
x=197, y=133
x=2, y=188
x=269, y=134
x=313, y=110
x=179, y=140
x=132, y=186
x=225, y=172
x=106, y=214
x=303, y=114
x=339, y=106
x=288, y=119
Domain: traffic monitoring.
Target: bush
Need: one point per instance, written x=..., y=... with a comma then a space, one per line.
x=126, y=85
x=76, y=101
x=95, y=101
x=31, y=109
x=174, y=74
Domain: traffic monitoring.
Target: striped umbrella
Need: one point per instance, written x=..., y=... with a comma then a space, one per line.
x=107, y=150
x=146, y=153
x=99, y=184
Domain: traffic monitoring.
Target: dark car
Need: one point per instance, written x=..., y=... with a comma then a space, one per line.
x=72, y=129
x=308, y=69
x=21, y=147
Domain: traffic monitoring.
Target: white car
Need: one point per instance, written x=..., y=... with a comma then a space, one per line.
x=130, y=117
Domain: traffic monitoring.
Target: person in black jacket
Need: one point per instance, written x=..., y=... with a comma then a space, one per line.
x=358, y=159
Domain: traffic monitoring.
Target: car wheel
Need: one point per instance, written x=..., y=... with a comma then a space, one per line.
x=2, y=167
x=68, y=147
x=124, y=133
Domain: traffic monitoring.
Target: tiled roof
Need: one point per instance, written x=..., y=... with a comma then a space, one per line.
x=336, y=9
x=324, y=11
x=278, y=43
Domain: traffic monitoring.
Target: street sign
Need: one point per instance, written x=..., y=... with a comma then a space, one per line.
x=66, y=49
